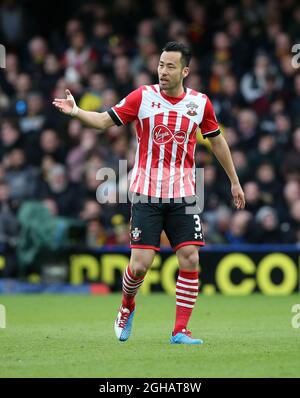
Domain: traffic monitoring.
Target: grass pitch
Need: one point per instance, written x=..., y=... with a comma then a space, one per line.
x=72, y=336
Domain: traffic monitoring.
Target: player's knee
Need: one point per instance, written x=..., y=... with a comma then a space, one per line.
x=188, y=257
x=140, y=262
x=139, y=265
x=139, y=269
x=192, y=260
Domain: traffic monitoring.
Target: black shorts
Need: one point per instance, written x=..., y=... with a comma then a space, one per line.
x=149, y=219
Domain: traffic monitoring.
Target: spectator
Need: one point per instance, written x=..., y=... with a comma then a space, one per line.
x=77, y=55
x=9, y=137
x=241, y=165
x=51, y=205
x=238, y=230
x=66, y=195
x=295, y=222
x=9, y=230
x=222, y=225
x=268, y=183
x=227, y=102
x=8, y=220
x=295, y=100
x=51, y=72
x=38, y=51
x=91, y=210
x=268, y=230
x=92, y=98
x=283, y=133
x=78, y=156
x=247, y=128
x=253, y=196
x=21, y=178
x=95, y=236
x=34, y=119
x=291, y=161
x=12, y=22
x=50, y=145
x=266, y=152
x=123, y=76
x=253, y=83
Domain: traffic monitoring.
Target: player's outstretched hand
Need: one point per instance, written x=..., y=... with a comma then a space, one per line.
x=238, y=196
x=67, y=106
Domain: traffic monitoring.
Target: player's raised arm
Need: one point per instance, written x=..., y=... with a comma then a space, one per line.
x=93, y=119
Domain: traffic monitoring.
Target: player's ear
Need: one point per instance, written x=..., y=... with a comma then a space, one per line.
x=185, y=71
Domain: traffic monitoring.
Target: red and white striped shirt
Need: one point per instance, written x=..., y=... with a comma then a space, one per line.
x=166, y=138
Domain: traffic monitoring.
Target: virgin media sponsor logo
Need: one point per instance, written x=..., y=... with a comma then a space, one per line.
x=162, y=135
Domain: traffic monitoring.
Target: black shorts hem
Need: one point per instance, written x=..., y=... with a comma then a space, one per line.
x=197, y=243
x=145, y=247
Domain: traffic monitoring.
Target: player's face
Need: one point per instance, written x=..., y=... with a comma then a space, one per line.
x=170, y=70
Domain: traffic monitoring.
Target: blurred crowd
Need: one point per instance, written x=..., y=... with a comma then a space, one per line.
x=101, y=51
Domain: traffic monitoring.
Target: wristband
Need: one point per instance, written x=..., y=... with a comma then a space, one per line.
x=75, y=108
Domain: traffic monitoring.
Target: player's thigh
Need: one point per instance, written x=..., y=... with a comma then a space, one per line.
x=182, y=226
x=146, y=226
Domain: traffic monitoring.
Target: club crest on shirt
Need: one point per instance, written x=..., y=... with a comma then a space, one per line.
x=162, y=135
x=136, y=234
x=192, y=108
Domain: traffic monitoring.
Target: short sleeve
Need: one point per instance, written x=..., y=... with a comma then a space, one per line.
x=127, y=109
x=209, y=125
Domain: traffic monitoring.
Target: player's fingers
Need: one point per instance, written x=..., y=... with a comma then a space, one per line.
x=242, y=201
x=68, y=92
x=236, y=201
x=58, y=100
x=58, y=106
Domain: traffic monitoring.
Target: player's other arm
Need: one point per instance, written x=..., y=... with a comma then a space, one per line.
x=210, y=130
x=97, y=120
x=221, y=150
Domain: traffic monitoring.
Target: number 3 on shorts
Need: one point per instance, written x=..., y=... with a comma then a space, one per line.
x=197, y=223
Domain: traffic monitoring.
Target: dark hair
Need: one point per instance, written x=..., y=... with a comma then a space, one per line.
x=186, y=54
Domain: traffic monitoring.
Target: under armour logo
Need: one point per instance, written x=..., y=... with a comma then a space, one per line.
x=154, y=104
x=198, y=236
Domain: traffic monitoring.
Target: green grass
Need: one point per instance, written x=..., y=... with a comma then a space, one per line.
x=72, y=336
